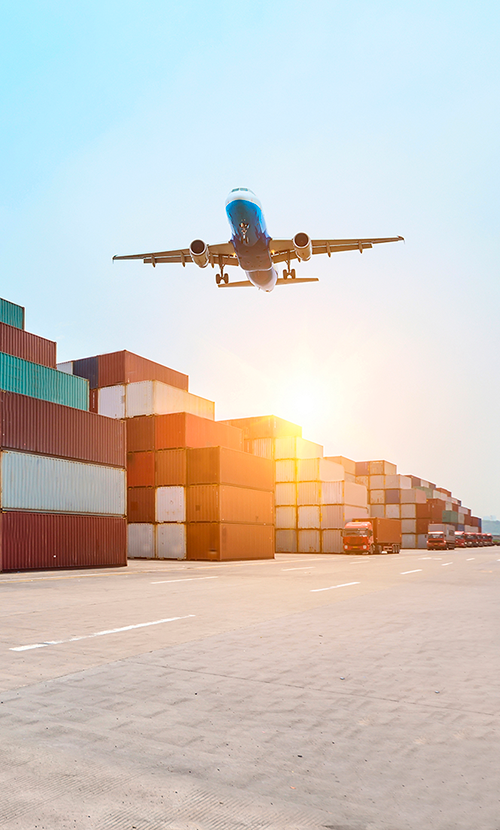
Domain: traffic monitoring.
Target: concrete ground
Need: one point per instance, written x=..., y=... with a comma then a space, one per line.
x=338, y=692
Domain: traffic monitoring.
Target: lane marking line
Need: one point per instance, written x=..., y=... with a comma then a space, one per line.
x=425, y=557
x=189, y=579
x=344, y=585
x=416, y=571
x=99, y=633
x=444, y=564
x=296, y=569
x=472, y=559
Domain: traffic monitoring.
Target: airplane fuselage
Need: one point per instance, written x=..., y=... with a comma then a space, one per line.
x=250, y=238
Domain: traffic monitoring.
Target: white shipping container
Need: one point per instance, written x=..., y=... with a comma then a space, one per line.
x=263, y=447
x=393, y=511
x=285, y=470
x=65, y=367
x=331, y=541
x=397, y=482
x=335, y=516
x=170, y=504
x=309, y=516
x=377, y=482
x=286, y=541
x=436, y=494
x=364, y=480
x=309, y=541
x=412, y=496
x=111, y=401
x=319, y=469
x=285, y=494
x=43, y=484
x=291, y=447
x=141, y=541
x=422, y=541
x=408, y=525
x=376, y=496
x=286, y=517
x=152, y=397
x=377, y=511
x=331, y=492
x=409, y=540
x=171, y=541
x=408, y=511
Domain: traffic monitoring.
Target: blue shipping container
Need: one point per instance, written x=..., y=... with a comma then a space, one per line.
x=25, y=378
x=11, y=314
x=87, y=368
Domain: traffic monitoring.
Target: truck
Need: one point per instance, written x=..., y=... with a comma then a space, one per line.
x=441, y=538
x=372, y=535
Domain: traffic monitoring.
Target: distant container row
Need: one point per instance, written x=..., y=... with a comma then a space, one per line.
x=203, y=540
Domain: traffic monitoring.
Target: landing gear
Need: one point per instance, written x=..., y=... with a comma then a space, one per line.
x=289, y=273
x=222, y=277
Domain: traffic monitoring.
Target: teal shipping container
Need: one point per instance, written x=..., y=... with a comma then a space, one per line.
x=36, y=381
x=11, y=314
x=450, y=517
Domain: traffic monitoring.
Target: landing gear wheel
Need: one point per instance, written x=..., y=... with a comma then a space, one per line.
x=226, y=279
x=292, y=273
x=218, y=278
x=285, y=275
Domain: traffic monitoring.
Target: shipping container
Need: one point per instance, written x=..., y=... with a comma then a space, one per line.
x=141, y=505
x=392, y=511
x=286, y=541
x=171, y=541
x=36, y=541
x=286, y=517
x=348, y=465
x=409, y=540
x=171, y=467
x=362, y=468
x=392, y=496
x=412, y=496
x=94, y=401
x=220, y=465
x=141, y=541
x=309, y=516
x=334, y=516
x=382, y=468
x=141, y=469
x=422, y=541
x=223, y=503
x=377, y=482
x=331, y=492
x=182, y=429
x=170, y=504
x=285, y=470
x=376, y=496
x=450, y=517
x=223, y=541
x=378, y=511
x=265, y=426
x=125, y=367
x=422, y=526
x=285, y=494
x=331, y=541
x=364, y=480
x=87, y=368
x=46, y=428
x=54, y=485
x=408, y=511
x=397, y=482
x=309, y=541
x=22, y=344
x=67, y=367
x=319, y=469
x=408, y=525
x=111, y=402
x=263, y=447
x=151, y=397
x=25, y=378
x=296, y=448
x=12, y=314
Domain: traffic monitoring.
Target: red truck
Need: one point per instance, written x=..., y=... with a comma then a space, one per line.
x=441, y=539
x=373, y=535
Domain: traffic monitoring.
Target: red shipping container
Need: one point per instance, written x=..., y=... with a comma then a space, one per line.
x=171, y=468
x=181, y=429
x=141, y=433
x=214, y=541
x=126, y=367
x=423, y=512
x=35, y=541
x=422, y=525
x=436, y=507
x=94, y=400
x=222, y=503
x=219, y=465
x=33, y=425
x=27, y=346
x=141, y=469
x=141, y=504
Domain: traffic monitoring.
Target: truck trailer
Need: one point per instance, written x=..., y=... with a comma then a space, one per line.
x=373, y=535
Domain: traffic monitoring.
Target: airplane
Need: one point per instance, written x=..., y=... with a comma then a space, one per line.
x=254, y=250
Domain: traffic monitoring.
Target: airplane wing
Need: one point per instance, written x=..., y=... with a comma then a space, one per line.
x=223, y=254
x=282, y=250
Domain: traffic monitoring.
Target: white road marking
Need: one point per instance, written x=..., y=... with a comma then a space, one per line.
x=425, y=557
x=189, y=579
x=99, y=633
x=296, y=569
x=416, y=571
x=444, y=564
x=472, y=559
x=344, y=585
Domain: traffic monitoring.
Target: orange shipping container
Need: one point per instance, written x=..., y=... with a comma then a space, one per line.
x=219, y=465
x=141, y=504
x=182, y=429
x=214, y=541
x=171, y=468
x=223, y=503
x=141, y=469
x=265, y=426
x=126, y=367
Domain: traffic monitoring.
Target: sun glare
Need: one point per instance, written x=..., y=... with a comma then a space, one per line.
x=304, y=401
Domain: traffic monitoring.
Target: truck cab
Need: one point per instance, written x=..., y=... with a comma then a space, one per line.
x=440, y=540
x=372, y=535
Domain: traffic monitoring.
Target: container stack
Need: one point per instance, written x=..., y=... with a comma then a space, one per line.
x=392, y=496
x=193, y=493
x=440, y=510
x=62, y=467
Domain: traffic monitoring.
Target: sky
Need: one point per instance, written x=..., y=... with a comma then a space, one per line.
x=126, y=124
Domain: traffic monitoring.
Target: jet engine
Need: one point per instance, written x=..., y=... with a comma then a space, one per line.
x=199, y=253
x=303, y=246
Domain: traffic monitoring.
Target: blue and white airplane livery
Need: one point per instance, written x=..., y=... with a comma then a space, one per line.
x=254, y=250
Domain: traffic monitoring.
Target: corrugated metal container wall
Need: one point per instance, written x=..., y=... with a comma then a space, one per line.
x=397, y=482
x=378, y=511
x=377, y=482
x=422, y=526
x=393, y=511
x=408, y=525
x=309, y=516
x=409, y=540
x=140, y=434
x=229, y=541
x=111, y=401
x=362, y=468
x=319, y=469
x=335, y=516
x=223, y=503
x=220, y=465
x=422, y=541
x=141, y=469
x=141, y=505
x=286, y=541
x=408, y=511
x=286, y=517
x=12, y=314
x=265, y=426
x=87, y=368
x=54, y=485
x=171, y=541
x=171, y=468
x=141, y=541
x=286, y=470
x=171, y=504
x=94, y=401
x=37, y=381
x=348, y=465
x=392, y=496
x=331, y=541
x=51, y=429
x=127, y=367
x=412, y=496
x=263, y=447
x=309, y=541
x=384, y=468
x=296, y=448
x=67, y=367
x=27, y=346
x=376, y=496
x=151, y=397
x=32, y=541
x=182, y=429
x=331, y=492
x=285, y=494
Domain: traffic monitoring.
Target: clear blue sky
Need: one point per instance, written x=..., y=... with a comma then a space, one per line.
x=124, y=126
